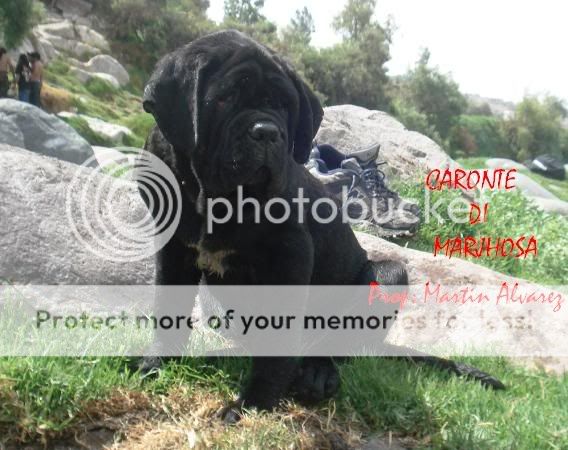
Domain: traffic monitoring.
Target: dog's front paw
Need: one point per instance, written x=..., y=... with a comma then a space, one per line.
x=317, y=379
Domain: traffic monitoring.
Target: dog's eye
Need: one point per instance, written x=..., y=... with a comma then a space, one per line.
x=227, y=97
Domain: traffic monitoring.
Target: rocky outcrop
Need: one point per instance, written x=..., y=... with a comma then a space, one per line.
x=108, y=65
x=63, y=36
x=84, y=77
x=23, y=125
x=407, y=153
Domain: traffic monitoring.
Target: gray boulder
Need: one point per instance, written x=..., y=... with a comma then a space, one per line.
x=83, y=76
x=550, y=205
x=531, y=188
x=407, y=153
x=107, y=64
x=37, y=241
x=26, y=126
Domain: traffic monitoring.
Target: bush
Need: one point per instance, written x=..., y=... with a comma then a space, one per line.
x=487, y=135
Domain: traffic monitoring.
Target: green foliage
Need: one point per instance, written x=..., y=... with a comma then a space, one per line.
x=415, y=120
x=143, y=30
x=101, y=88
x=81, y=126
x=299, y=32
x=481, y=109
x=431, y=93
x=487, y=135
x=355, y=18
x=246, y=12
x=536, y=128
x=352, y=71
x=17, y=18
x=140, y=124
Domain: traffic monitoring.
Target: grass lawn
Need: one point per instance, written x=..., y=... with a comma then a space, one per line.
x=58, y=398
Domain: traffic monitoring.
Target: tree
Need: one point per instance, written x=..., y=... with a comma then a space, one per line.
x=244, y=11
x=536, y=128
x=433, y=94
x=302, y=25
x=354, y=70
x=17, y=18
x=143, y=30
x=355, y=18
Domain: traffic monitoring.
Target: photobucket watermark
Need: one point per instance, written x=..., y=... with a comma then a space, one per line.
x=350, y=209
x=323, y=210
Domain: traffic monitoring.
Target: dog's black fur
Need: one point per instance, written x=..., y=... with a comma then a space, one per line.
x=206, y=98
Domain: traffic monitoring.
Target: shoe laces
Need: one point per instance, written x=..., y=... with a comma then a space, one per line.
x=374, y=180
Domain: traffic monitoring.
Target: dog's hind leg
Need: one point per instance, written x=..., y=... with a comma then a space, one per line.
x=394, y=273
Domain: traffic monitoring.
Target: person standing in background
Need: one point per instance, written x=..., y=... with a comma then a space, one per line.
x=23, y=76
x=5, y=65
x=36, y=79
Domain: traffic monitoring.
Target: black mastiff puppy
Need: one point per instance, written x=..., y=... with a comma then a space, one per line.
x=229, y=113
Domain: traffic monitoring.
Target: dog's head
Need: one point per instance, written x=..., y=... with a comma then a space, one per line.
x=235, y=109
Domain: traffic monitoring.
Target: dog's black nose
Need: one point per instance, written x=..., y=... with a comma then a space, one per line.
x=264, y=131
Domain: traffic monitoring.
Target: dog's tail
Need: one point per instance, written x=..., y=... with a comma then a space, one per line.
x=448, y=365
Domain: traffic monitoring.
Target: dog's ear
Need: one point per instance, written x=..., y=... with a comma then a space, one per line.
x=172, y=96
x=310, y=115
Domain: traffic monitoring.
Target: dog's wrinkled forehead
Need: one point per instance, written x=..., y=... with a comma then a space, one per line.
x=180, y=81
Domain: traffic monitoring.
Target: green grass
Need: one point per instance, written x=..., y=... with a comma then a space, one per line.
x=97, y=98
x=81, y=126
x=42, y=397
x=557, y=187
x=447, y=412
x=510, y=215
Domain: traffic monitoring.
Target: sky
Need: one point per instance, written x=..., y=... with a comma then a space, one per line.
x=494, y=48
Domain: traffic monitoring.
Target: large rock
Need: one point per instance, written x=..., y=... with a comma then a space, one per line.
x=37, y=241
x=111, y=131
x=56, y=36
x=407, y=153
x=35, y=43
x=72, y=46
x=64, y=29
x=107, y=64
x=83, y=76
x=92, y=37
x=531, y=188
x=504, y=163
x=26, y=126
x=550, y=205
